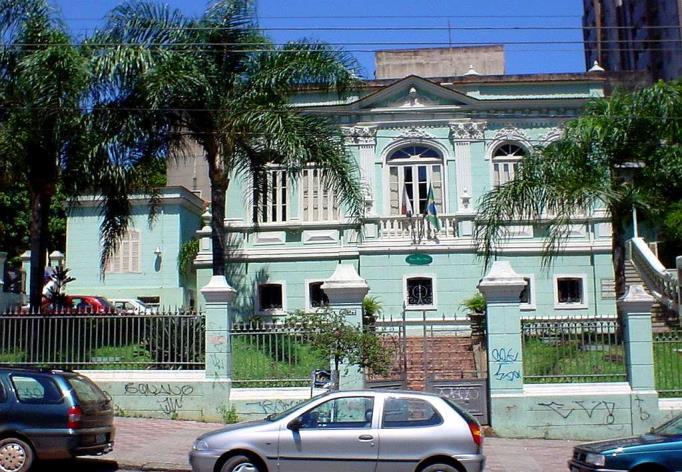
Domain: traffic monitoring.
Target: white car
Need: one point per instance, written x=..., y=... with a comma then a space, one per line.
x=131, y=306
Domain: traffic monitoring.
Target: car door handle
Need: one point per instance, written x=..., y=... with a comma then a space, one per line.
x=366, y=437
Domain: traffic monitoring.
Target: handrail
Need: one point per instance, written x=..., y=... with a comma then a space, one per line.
x=663, y=284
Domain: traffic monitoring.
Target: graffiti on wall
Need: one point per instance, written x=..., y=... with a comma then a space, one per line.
x=268, y=407
x=169, y=398
x=504, y=358
x=601, y=410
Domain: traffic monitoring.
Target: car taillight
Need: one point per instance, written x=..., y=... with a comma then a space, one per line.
x=73, y=420
x=476, y=433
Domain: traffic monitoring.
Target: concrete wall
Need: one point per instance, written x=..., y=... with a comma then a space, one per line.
x=439, y=62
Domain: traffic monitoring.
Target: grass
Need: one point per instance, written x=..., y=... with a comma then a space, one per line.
x=268, y=365
x=130, y=357
x=16, y=357
x=668, y=364
x=569, y=361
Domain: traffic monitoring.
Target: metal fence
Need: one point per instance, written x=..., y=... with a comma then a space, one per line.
x=573, y=350
x=266, y=354
x=113, y=342
x=668, y=363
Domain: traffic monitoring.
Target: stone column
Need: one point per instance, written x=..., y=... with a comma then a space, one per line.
x=678, y=262
x=218, y=296
x=346, y=290
x=635, y=306
x=501, y=289
x=56, y=259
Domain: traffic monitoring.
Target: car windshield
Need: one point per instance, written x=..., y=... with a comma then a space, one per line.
x=671, y=428
x=290, y=410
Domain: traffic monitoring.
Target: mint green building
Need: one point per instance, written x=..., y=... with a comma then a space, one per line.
x=460, y=136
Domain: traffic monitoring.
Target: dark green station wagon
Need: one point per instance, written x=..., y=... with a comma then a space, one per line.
x=51, y=414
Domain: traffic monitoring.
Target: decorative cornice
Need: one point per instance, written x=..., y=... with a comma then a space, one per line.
x=360, y=135
x=468, y=130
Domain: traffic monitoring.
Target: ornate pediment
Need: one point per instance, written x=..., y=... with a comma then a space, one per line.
x=416, y=133
x=512, y=133
x=552, y=135
x=468, y=130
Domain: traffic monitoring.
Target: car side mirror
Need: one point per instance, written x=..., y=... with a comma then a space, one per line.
x=295, y=424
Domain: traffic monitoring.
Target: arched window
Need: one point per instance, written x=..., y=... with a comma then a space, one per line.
x=506, y=160
x=412, y=169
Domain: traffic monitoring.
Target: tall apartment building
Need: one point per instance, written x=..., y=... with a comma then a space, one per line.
x=635, y=35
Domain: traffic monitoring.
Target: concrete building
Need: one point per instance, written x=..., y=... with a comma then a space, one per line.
x=440, y=62
x=635, y=35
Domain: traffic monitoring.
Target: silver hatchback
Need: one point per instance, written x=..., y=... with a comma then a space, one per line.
x=349, y=431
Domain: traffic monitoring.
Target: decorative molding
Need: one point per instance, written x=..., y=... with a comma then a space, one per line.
x=552, y=135
x=416, y=133
x=512, y=133
x=468, y=130
x=360, y=135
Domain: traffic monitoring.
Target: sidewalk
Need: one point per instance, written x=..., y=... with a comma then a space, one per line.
x=150, y=444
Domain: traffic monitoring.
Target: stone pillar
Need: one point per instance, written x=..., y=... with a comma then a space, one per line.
x=3, y=258
x=25, y=271
x=678, y=262
x=218, y=296
x=364, y=137
x=463, y=134
x=501, y=289
x=56, y=259
x=346, y=290
x=635, y=306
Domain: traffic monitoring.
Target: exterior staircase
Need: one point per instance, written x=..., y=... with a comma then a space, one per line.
x=447, y=357
x=662, y=319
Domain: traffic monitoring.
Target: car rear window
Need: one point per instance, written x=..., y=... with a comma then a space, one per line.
x=86, y=391
x=409, y=413
x=463, y=413
x=36, y=389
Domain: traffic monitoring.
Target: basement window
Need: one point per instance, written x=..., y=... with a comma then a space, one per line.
x=570, y=292
x=270, y=297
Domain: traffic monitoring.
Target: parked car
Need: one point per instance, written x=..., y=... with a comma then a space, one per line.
x=79, y=304
x=656, y=451
x=51, y=414
x=131, y=306
x=342, y=431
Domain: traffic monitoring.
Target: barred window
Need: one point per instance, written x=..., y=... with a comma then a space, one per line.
x=419, y=291
x=126, y=259
x=319, y=201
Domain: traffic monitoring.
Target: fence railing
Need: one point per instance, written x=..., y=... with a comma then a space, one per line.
x=573, y=350
x=668, y=363
x=266, y=354
x=112, y=342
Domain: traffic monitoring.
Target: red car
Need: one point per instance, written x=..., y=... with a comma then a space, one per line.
x=81, y=304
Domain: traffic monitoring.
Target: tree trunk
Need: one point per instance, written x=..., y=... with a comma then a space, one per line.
x=618, y=249
x=40, y=214
x=219, y=184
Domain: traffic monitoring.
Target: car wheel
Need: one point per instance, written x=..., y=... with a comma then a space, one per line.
x=439, y=468
x=15, y=455
x=239, y=464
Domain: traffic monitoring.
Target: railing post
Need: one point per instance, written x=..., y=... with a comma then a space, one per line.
x=635, y=306
x=346, y=290
x=218, y=296
x=501, y=289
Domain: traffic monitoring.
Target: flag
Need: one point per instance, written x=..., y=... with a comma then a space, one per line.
x=406, y=208
x=431, y=213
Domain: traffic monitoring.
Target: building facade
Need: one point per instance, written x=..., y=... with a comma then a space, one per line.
x=632, y=35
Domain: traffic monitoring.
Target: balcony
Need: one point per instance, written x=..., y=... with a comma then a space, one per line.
x=415, y=228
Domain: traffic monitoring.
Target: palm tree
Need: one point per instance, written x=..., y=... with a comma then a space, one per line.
x=623, y=152
x=50, y=135
x=216, y=81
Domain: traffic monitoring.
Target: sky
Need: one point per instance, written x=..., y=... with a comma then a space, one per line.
x=549, y=39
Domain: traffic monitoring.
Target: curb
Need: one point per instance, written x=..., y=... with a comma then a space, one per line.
x=153, y=467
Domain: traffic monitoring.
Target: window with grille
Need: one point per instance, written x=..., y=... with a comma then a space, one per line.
x=419, y=291
x=411, y=169
x=126, y=259
x=319, y=201
x=506, y=159
x=270, y=195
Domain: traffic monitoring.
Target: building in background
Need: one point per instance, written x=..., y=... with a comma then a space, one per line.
x=645, y=35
